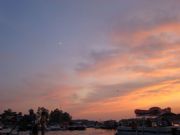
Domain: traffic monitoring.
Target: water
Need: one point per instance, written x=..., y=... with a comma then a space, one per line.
x=88, y=131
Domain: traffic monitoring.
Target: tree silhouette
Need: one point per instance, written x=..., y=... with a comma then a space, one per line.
x=59, y=117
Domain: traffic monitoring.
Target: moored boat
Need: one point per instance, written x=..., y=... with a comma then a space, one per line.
x=77, y=127
x=9, y=131
x=55, y=128
x=148, y=131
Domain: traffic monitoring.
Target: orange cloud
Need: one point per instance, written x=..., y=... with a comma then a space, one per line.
x=149, y=50
x=161, y=94
x=167, y=32
x=150, y=60
x=142, y=73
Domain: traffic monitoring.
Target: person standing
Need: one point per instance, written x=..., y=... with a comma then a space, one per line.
x=43, y=121
x=34, y=123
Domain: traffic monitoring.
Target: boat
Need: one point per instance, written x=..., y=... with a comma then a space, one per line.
x=9, y=131
x=154, y=121
x=77, y=127
x=148, y=131
x=55, y=128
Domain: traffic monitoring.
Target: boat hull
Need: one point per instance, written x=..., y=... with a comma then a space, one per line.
x=148, y=131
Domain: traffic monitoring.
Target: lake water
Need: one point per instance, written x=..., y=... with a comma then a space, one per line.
x=88, y=131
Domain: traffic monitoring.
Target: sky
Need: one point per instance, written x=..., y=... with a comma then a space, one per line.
x=96, y=59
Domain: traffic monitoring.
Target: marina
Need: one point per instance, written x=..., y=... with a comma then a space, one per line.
x=90, y=67
x=148, y=131
x=154, y=121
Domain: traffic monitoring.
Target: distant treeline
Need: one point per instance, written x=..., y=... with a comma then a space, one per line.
x=56, y=116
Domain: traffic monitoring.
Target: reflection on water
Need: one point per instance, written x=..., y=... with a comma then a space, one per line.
x=88, y=131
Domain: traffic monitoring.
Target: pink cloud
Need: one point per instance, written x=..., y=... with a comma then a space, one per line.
x=150, y=55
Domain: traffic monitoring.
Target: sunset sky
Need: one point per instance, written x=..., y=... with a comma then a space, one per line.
x=96, y=59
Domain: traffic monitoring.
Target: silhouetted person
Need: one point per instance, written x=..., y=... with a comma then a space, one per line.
x=43, y=121
x=33, y=120
x=133, y=125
